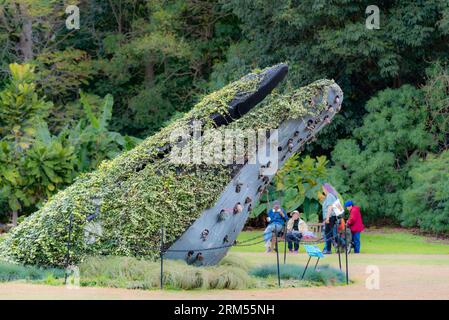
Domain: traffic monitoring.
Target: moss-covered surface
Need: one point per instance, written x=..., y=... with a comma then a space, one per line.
x=141, y=189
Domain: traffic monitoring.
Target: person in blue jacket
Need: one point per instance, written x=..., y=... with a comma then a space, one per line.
x=276, y=220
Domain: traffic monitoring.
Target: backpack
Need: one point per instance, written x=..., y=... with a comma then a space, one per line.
x=337, y=208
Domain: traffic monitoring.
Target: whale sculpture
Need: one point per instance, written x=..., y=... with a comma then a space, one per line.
x=174, y=180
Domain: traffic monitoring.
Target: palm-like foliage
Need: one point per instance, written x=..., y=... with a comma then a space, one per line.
x=91, y=137
x=297, y=184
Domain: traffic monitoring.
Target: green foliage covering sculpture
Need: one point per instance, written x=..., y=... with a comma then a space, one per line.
x=136, y=192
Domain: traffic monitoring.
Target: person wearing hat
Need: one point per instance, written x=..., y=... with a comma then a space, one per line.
x=276, y=220
x=355, y=224
x=295, y=230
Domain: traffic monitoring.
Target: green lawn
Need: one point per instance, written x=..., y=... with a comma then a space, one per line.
x=387, y=241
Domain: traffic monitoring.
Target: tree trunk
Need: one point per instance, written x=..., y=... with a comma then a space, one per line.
x=15, y=215
x=26, y=41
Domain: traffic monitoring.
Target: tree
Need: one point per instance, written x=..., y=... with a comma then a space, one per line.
x=329, y=39
x=437, y=104
x=34, y=163
x=372, y=168
x=22, y=111
x=426, y=201
x=32, y=26
x=11, y=182
x=20, y=106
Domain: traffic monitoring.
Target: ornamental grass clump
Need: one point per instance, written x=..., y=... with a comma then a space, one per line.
x=133, y=273
x=13, y=272
x=323, y=275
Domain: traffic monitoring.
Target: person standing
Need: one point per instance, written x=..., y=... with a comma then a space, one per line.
x=355, y=224
x=329, y=218
x=276, y=220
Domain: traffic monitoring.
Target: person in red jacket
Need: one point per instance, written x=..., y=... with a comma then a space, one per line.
x=355, y=224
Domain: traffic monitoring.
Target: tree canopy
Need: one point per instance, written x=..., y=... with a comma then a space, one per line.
x=72, y=98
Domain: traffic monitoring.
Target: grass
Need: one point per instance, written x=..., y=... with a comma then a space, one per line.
x=233, y=272
x=378, y=241
x=240, y=269
x=13, y=272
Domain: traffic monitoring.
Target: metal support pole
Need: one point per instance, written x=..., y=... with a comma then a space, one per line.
x=161, y=252
x=277, y=257
x=346, y=255
x=338, y=243
x=316, y=264
x=285, y=243
x=305, y=269
x=69, y=240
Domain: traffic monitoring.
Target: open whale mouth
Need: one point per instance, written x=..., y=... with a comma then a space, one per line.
x=244, y=102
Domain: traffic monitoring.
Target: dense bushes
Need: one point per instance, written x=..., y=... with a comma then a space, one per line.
x=384, y=166
x=372, y=168
x=426, y=201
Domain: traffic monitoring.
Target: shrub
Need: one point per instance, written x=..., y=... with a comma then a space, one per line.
x=426, y=201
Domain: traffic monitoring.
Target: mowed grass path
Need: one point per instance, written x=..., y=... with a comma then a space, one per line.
x=376, y=241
